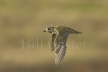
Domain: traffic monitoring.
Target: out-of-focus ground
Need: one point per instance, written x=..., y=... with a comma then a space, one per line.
x=25, y=20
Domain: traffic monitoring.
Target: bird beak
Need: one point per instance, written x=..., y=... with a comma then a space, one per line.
x=44, y=30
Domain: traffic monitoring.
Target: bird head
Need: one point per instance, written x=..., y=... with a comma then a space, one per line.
x=49, y=29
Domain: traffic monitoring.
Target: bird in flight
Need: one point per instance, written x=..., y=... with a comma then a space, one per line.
x=59, y=38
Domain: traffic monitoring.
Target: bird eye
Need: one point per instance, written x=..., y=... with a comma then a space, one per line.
x=49, y=29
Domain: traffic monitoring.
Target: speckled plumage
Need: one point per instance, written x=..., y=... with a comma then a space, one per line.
x=59, y=39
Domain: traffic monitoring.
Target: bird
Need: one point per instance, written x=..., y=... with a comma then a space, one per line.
x=59, y=35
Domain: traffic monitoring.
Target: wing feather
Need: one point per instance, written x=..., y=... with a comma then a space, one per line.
x=59, y=56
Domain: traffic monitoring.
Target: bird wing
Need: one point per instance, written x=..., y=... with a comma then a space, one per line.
x=66, y=29
x=60, y=53
x=52, y=42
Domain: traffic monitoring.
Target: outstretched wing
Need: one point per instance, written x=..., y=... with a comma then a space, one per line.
x=60, y=53
x=63, y=29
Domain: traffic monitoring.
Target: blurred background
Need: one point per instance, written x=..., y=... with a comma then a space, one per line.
x=24, y=47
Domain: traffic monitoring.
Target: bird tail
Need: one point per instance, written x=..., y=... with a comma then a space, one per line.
x=59, y=55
